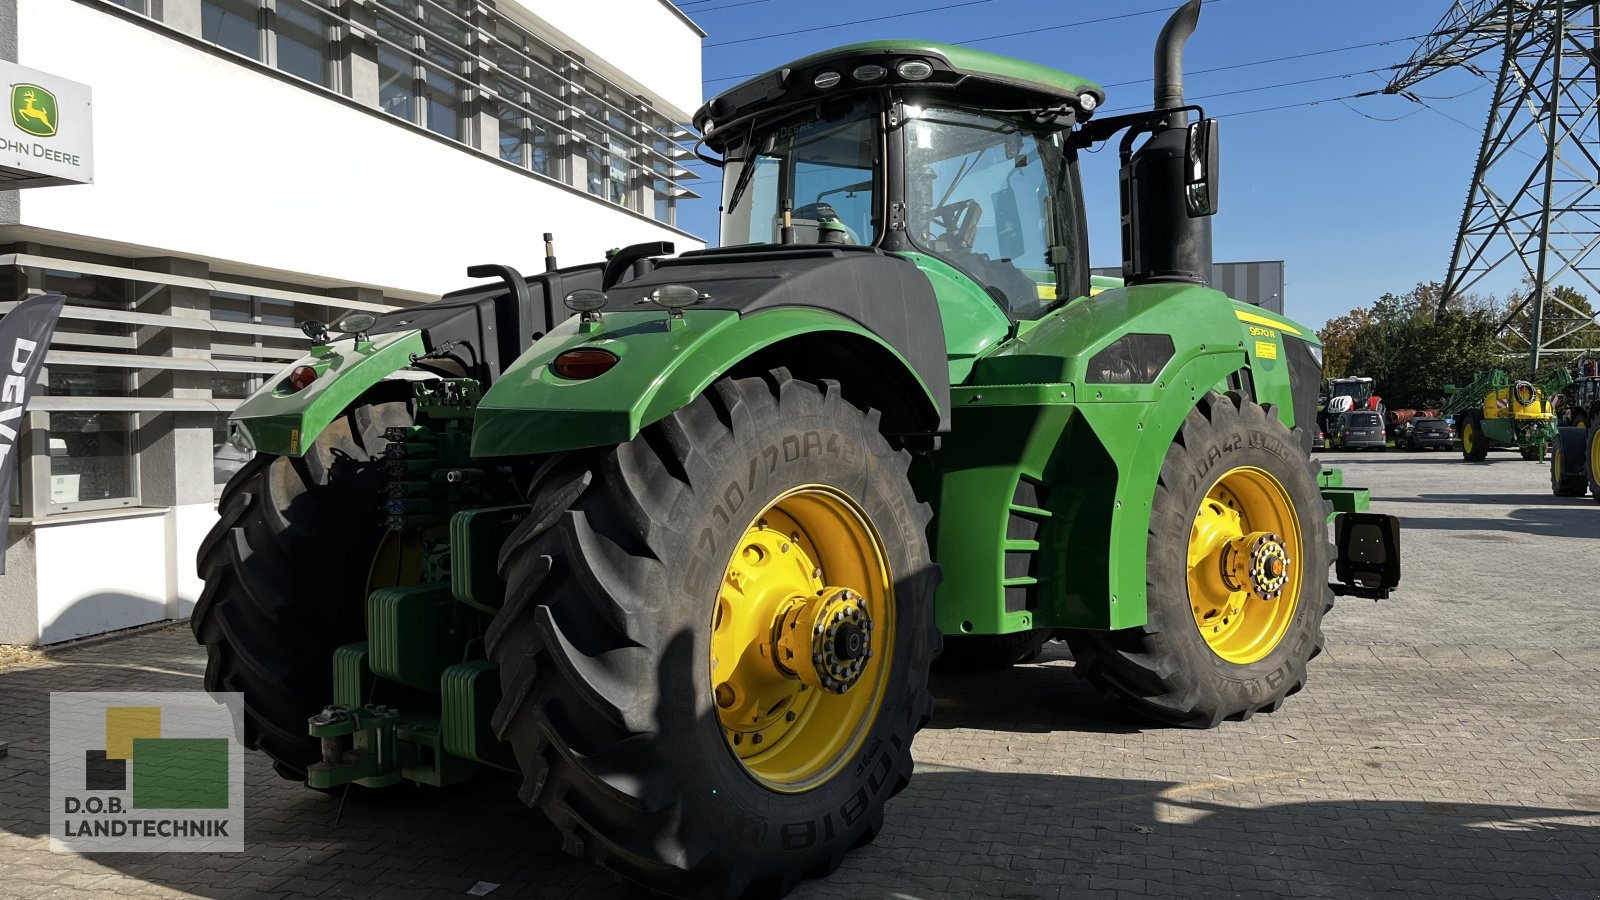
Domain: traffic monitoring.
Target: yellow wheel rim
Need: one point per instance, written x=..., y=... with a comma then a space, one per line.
x=1246, y=551
x=1468, y=438
x=802, y=638
x=1594, y=454
x=1555, y=463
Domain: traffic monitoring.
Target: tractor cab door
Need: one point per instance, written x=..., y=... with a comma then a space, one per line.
x=997, y=200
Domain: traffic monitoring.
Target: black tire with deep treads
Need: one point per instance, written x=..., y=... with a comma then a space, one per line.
x=1593, y=453
x=1165, y=669
x=1474, y=421
x=285, y=569
x=975, y=652
x=603, y=642
x=1569, y=462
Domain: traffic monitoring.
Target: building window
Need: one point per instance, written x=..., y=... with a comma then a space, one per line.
x=91, y=451
x=142, y=7
x=422, y=68
x=305, y=41
x=233, y=24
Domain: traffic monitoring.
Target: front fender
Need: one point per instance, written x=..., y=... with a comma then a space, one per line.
x=277, y=420
x=662, y=366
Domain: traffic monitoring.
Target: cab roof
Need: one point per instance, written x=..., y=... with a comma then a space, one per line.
x=982, y=78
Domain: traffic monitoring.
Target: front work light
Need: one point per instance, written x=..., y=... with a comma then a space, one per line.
x=676, y=296
x=355, y=323
x=825, y=79
x=914, y=70
x=587, y=303
x=584, y=363
x=869, y=72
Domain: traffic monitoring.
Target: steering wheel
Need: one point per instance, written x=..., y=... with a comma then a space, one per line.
x=959, y=220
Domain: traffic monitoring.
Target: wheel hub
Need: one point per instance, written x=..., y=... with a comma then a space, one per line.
x=825, y=641
x=801, y=637
x=1257, y=562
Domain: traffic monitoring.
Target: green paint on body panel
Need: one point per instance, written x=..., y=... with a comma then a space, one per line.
x=285, y=422
x=659, y=369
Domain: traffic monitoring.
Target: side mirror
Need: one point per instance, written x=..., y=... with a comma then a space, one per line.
x=1200, y=169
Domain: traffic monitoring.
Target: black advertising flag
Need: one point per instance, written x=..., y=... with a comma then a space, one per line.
x=24, y=339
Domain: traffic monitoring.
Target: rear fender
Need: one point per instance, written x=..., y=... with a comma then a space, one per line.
x=662, y=365
x=284, y=422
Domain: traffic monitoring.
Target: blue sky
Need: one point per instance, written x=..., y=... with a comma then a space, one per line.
x=1356, y=206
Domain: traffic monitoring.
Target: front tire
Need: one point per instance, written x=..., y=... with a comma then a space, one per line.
x=626, y=679
x=286, y=569
x=1234, y=486
x=1568, y=477
x=1474, y=446
x=1593, y=453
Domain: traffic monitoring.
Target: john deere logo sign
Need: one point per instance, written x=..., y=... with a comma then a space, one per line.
x=33, y=109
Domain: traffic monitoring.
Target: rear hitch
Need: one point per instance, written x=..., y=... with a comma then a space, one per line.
x=1368, y=560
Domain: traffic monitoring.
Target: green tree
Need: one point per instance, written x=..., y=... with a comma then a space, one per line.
x=1412, y=344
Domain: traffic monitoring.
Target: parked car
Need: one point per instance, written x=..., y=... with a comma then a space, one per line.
x=1358, y=429
x=1427, y=433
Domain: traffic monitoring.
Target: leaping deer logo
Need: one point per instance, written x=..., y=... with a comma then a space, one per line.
x=34, y=110
x=29, y=111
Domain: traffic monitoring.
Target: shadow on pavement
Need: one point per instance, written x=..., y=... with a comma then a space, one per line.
x=1582, y=522
x=952, y=831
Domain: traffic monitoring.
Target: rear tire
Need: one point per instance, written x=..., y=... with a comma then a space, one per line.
x=605, y=643
x=1568, y=472
x=1166, y=669
x=286, y=569
x=974, y=653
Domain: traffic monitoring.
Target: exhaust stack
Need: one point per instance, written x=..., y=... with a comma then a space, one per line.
x=1169, y=55
x=1162, y=241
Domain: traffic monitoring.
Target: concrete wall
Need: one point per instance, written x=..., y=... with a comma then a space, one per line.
x=198, y=155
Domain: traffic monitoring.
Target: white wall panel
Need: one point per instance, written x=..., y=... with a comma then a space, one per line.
x=100, y=575
x=655, y=47
x=202, y=156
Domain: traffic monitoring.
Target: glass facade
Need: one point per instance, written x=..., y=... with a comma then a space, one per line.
x=469, y=72
x=92, y=459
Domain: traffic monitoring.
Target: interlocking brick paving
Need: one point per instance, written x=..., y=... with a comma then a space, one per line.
x=1447, y=745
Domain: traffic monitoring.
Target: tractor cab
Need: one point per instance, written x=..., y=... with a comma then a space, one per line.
x=960, y=159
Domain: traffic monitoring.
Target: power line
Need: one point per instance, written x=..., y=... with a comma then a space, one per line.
x=1276, y=59
x=1264, y=87
x=996, y=37
x=915, y=12
x=1244, y=65
x=706, y=9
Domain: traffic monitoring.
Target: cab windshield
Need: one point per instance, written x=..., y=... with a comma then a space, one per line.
x=992, y=197
x=825, y=162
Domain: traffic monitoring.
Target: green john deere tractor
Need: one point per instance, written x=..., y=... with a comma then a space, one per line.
x=1575, y=455
x=681, y=562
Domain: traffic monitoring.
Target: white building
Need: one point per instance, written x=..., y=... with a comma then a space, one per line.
x=260, y=163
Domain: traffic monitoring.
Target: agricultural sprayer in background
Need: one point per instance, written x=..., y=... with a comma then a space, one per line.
x=1494, y=411
x=681, y=562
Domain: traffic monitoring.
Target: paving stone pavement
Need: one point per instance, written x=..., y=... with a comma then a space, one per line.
x=1448, y=745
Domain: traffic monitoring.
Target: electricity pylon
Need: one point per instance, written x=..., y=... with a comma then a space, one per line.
x=1534, y=205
